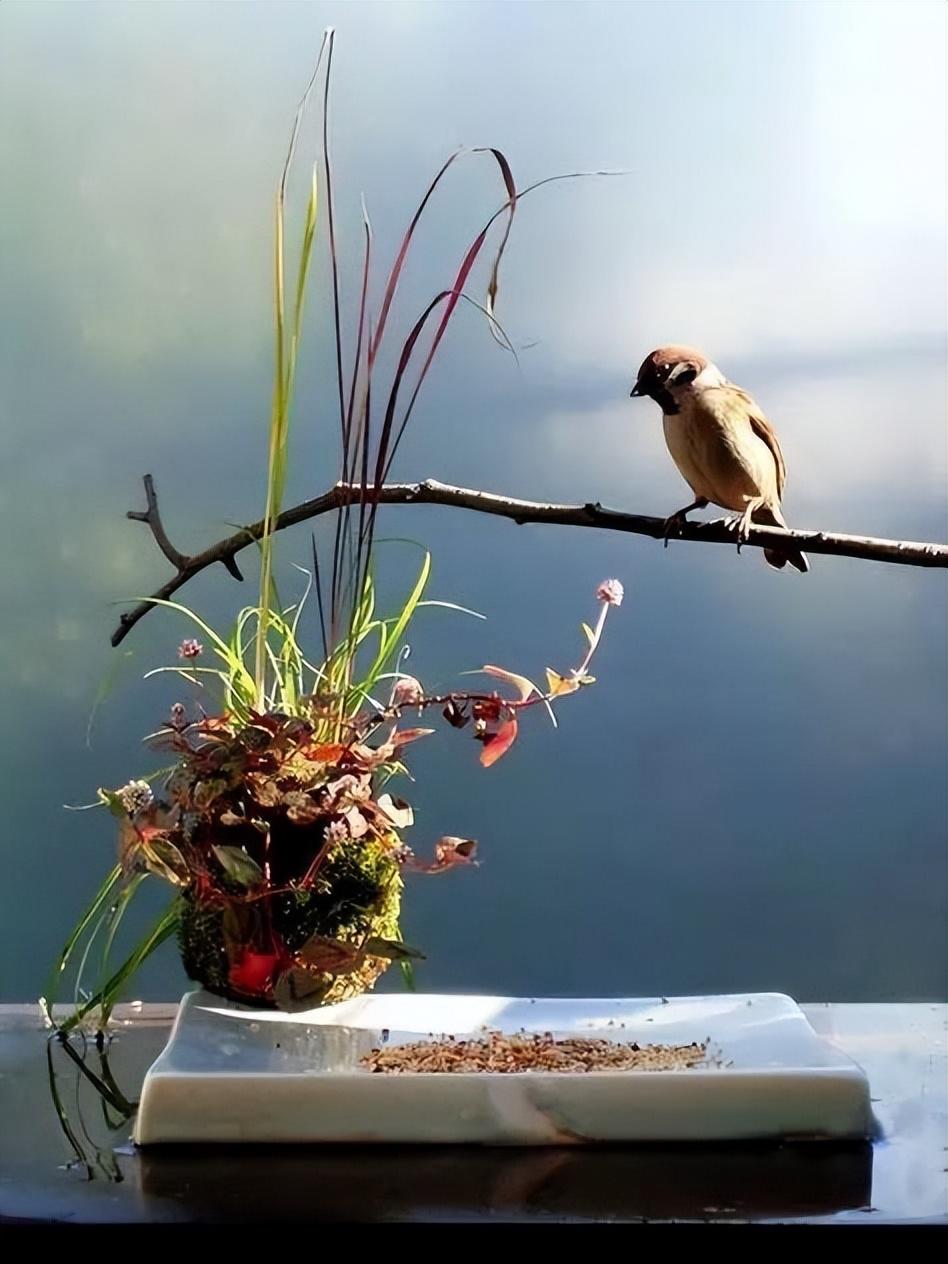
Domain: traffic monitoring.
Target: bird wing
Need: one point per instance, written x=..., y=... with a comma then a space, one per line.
x=765, y=431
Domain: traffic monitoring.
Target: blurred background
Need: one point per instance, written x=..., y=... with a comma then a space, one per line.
x=753, y=795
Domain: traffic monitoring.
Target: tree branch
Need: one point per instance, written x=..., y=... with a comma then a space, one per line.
x=153, y=518
x=904, y=552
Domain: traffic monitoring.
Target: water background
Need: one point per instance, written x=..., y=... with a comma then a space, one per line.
x=753, y=796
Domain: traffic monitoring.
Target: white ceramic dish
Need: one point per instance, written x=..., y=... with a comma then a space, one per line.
x=230, y=1074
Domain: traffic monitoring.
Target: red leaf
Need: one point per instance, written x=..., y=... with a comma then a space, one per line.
x=500, y=743
x=252, y=972
x=326, y=753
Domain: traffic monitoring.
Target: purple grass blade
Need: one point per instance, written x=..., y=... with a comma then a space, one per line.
x=453, y=297
x=320, y=606
x=393, y=278
x=494, y=282
x=402, y=255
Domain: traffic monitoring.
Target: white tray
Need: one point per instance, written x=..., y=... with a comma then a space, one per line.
x=230, y=1074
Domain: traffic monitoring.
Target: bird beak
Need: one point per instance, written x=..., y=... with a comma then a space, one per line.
x=637, y=391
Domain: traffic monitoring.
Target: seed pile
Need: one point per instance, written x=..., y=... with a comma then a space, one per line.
x=524, y=1052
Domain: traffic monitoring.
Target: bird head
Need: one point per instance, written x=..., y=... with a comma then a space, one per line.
x=668, y=370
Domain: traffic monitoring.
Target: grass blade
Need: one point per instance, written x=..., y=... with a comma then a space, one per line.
x=94, y=911
x=108, y=994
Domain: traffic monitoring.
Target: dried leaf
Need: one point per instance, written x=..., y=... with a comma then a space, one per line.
x=590, y=635
x=391, y=949
x=397, y=811
x=329, y=956
x=231, y=818
x=164, y=860
x=523, y=686
x=448, y=852
x=401, y=737
x=297, y=989
x=238, y=865
x=368, y=758
x=500, y=743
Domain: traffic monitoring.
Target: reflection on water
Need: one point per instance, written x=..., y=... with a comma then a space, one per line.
x=586, y=1184
x=91, y=1108
x=753, y=795
x=355, y=1183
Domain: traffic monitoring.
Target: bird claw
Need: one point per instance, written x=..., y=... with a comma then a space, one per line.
x=740, y=525
x=673, y=526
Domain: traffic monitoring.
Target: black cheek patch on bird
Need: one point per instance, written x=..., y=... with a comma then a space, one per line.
x=665, y=401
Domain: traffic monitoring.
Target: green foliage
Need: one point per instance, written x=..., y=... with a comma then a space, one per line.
x=285, y=857
x=103, y=919
x=351, y=672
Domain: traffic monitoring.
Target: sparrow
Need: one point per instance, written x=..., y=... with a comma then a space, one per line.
x=721, y=441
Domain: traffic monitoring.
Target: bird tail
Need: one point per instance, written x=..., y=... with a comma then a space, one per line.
x=778, y=558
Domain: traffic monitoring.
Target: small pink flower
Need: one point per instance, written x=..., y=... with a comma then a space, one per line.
x=611, y=592
x=190, y=648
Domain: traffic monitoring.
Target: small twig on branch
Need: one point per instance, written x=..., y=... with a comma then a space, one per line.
x=904, y=552
x=153, y=518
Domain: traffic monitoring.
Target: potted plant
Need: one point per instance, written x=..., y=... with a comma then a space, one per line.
x=277, y=824
x=277, y=821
